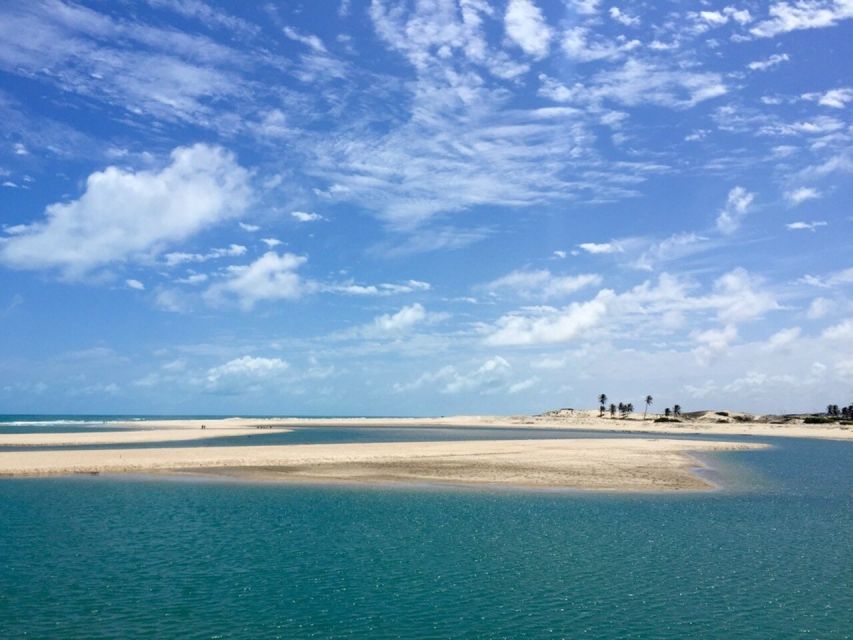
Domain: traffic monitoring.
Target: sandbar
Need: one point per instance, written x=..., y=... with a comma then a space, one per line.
x=176, y=433
x=623, y=464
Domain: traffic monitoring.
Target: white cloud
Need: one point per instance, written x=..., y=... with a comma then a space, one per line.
x=526, y=26
x=308, y=40
x=559, y=254
x=675, y=246
x=737, y=205
x=523, y=385
x=737, y=296
x=580, y=44
x=193, y=278
x=245, y=368
x=201, y=186
x=623, y=18
x=640, y=82
x=769, y=63
x=270, y=277
x=783, y=338
x=586, y=7
x=542, y=283
x=802, y=14
x=817, y=126
x=800, y=195
x=271, y=242
x=304, y=216
x=841, y=332
x=601, y=247
x=251, y=228
x=382, y=289
x=819, y=308
x=805, y=226
x=134, y=284
x=844, y=276
x=569, y=323
x=20, y=149
x=835, y=98
x=490, y=377
x=401, y=321
x=177, y=257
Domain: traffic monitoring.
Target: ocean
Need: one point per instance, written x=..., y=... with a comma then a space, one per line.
x=768, y=556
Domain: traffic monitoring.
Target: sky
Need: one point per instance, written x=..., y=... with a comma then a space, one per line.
x=424, y=207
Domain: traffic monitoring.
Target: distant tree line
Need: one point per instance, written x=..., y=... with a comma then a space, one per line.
x=845, y=413
x=625, y=409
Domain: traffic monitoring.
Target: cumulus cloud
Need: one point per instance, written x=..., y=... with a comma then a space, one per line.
x=134, y=284
x=735, y=297
x=248, y=371
x=270, y=277
x=526, y=26
x=737, y=206
x=304, y=216
x=399, y=322
x=834, y=98
x=802, y=14
x=125, y=215
x=569, y=323
x=541, y=283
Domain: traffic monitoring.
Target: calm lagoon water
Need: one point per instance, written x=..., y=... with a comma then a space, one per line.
x=104, y=557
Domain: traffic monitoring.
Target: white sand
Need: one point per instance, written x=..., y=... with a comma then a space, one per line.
x=173, y=434
x=581, y=420
x=600, y=464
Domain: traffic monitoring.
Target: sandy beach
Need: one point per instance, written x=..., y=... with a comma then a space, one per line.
x=599, y=464
x=709, y=423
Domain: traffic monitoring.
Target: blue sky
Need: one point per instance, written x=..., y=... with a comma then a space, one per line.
x=424, y=207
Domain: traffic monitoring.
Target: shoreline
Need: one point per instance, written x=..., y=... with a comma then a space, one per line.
x=635, y=464
x=580, y=421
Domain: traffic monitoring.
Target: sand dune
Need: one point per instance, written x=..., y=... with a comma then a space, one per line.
x=599, y=464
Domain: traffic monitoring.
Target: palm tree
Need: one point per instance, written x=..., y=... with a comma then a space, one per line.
x=649, y=400
x=667, y=412
x=612, y=410
x=676, y=410
x=602, y=400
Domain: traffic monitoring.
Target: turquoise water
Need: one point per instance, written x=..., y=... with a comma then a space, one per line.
x=89, y=557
